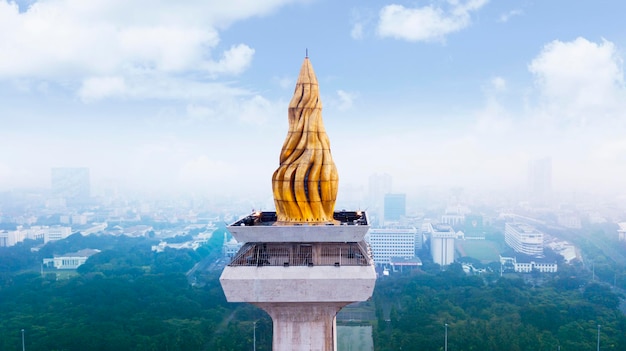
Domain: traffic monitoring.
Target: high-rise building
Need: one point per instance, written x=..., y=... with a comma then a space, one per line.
x=442, y=239
x=71, y=184
x=304, y=262
x=56, y=232
x=379, y=185
x=540, y=179
x=395, y=207
x=524, y=239
x=387, y=243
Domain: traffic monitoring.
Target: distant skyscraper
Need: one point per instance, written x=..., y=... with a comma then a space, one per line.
x=379, y=185
x=395, y=207
x=540, y=179
x=71, y=184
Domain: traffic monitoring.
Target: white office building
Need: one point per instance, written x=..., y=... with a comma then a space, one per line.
x=11, y=237
x=442, y=239
x=542, y=266
x=71, y=260
x=56, y=233
x=390, y=242
x=524, y=239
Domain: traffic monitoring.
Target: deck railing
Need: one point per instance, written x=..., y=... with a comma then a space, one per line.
x=303, y=254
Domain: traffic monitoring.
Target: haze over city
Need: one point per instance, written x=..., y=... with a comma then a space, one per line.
x=168, y=97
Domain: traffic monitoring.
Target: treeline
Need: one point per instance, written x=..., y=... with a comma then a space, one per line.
x=130, y=298
x=501, y=314
x=125, y=298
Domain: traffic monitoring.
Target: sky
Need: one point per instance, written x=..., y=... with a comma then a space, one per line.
x=191, y=97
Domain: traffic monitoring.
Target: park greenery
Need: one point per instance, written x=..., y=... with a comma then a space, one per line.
x=128, y=297
x=501, y=313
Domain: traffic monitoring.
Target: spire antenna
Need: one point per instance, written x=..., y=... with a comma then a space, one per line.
x=306, y=52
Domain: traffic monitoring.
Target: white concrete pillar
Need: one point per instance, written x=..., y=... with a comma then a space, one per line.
x=308, y=326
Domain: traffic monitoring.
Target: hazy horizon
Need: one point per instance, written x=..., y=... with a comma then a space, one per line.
x=193, y=98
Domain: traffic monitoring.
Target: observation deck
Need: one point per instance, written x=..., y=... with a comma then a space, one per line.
x=300, y=262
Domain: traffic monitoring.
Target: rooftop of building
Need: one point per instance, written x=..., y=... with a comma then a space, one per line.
x=81, y=253
x=404, y=261
x=442, y=228
x=524, y=228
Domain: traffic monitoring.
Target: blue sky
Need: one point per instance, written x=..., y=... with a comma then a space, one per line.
x=192, y=96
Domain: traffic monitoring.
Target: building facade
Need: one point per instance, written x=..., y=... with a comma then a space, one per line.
x=56, y=233
x=524, y=239
x=11, y=237
x=512, y=264
x=70, y=260
x=442, y=239
x=45, y=233
x=395, y=207
x=387, y=243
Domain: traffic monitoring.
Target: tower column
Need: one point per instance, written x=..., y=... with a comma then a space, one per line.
x=304, y=326
x=304, y=262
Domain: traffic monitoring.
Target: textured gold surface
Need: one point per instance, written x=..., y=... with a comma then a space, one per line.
x=305, y=183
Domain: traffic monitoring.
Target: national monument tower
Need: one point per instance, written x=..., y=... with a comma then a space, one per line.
x=304, y=262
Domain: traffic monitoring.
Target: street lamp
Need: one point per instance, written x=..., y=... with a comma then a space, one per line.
x=598, y=348
x=254, y=336
x=23, y=345
x=445, y=345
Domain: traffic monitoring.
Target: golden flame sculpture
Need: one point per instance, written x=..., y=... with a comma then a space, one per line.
x=305, y=184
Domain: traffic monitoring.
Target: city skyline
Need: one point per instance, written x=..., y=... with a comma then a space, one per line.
x=440, y=93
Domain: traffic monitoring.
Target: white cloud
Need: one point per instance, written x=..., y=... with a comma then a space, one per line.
x=69, y=42
x=498, y=84
x=493, y=118
x=96, y=88
x=157, y=86
x=252, y=110
x=505, y=17
x=346, y=100
x=200, y=112
x=360, y=19
x=258, y=110
x=163, y=48
x=580, y=81
x=234, y=61
x=357, y=31
x=429, y=23
x=284, y=82
x=578, y=118
x=612, y=151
